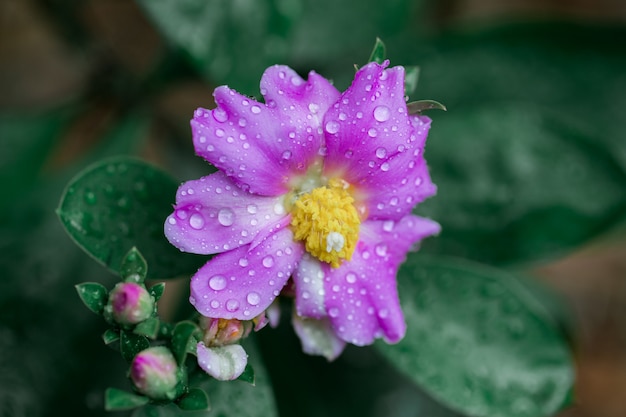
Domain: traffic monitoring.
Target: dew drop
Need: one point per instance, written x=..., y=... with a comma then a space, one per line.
x=286, y=155
x=226, y=217
x=196, y=221
x=279, y=209
x=333, y=312
x=384, y=166
x=252, y=208
x=336, y=288
x=255, y=109
x=243, y=122
x=215, y=304
x=243, y=262
x=253, y=298
x=313, y=108
x=219, y=132
x=382, y=313
x=220, y=115
x=351, y=278
x=372, y=133
x=171, y=220
x=381, y=153
x=332, y=127
x=382, y=113
x=306, y=295
x=268, y=261
x=388, y=225
x=381, y=250
x=90, y=197
x=232, y=305
x=217, y=282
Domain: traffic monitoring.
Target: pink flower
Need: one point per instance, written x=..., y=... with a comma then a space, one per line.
x=315, y=185
x=154, y=372
x=130, y=303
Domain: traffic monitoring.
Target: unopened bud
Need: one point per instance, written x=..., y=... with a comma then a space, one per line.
x=154, y=373
x=222, y=332
x=130, y=303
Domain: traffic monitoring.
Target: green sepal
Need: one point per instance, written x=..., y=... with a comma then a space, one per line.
x=131, y=344
x=110, y=336
x=247, y=375
x=134, y=267
x=416, y=107
x=195, y=399
x=378, y=53
x=93, y=295
x=118, y=400
x=182, y=338
x=148, y=328
x=157, y=290
x=411, y=77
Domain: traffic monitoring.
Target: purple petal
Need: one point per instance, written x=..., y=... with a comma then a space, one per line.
x=361, y=295
x=406, y=182
x=309, y=284
x=213, y=215
x=243, y=282
x=262, y=146
x=223, y=363
x=376, y=146
x=317, y=337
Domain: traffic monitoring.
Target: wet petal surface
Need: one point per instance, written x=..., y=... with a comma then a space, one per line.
x=362, y=298
x=243, y=282
x=223, y=363
x=309, y=285
x=214, y=215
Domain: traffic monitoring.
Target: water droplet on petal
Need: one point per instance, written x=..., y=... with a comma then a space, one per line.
x=313, y=108
x=333, y=312
x=382, y=113
x=279, y=209
x=243, y=262
x=226, y=217
x=383, y=313
x=252, y=208
x=196, y=221
x=384, y=166
x=372, y=133
x=286, y=155
x=332, y=127
x=217, y=282
x=381, y=153
x=215, y=304
x=219, y=132
x=232, y=305
x=351, y=278
x=388, y=225
x=255, y=109
x=268, y=261
x=381, y=250
x=253, y=298
x=220, y=115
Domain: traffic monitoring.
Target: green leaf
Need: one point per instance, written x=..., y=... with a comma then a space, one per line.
x=148, y=328
x=157, y=290
x=110, y=336
x=182, y=338
x=131, y=344
x=94, y=296
x=411, y=78
x=501, y=197
x=195, y=399
x=121, y=203
x=134, y=267
x=416, y=107
x=479, y=342
x=118, y=400
x=378, y=53
x=247, y=375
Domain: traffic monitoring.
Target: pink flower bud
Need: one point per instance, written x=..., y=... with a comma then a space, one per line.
x=130, y=303
x=154, y=373
x=222, y=332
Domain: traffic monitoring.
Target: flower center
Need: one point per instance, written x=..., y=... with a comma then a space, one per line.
x=327, y=221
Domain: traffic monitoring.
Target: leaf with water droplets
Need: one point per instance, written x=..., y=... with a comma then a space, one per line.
x=378, y=53
x=148, y=328
x=157, y=290
x=121, y=203
x=131, y=344
x=94, y=296
x=417, y=107
x=182, y=339
x=195, y=399
x=110, y=336
x=411, y=77
x=118, y=400
x=479, y=342
x=134, y=267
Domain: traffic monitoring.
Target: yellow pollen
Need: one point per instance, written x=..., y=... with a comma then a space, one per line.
x=326, y=220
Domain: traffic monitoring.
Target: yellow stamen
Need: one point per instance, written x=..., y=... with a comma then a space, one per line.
x=327, y=221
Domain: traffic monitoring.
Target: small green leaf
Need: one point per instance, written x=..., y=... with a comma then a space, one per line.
x=419, y=106
x=378, y=53
x=118, y=400
x=131, y=344
x=121, y=203
x=94, y=295
x=182, y=337
x=148, y=328
x=134, y=267
x=195, y=399
x=110, y=336
x=247, y=375
x=411, y=77
x=479, y=342
x=157, y=290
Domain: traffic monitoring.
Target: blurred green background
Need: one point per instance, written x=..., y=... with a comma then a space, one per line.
x=530, y=161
